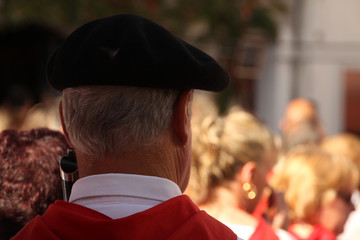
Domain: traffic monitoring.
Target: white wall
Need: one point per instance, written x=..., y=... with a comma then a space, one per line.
x=329, y=44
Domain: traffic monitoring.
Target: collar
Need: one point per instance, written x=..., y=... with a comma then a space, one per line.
x=121, y=195
x=130, y=185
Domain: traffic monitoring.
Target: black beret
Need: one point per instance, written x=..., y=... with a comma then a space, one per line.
x=130, y=50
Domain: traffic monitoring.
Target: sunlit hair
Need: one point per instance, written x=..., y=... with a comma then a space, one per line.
x=110, y=120
x=309, y=176
x=345, y=144
x=225, y=144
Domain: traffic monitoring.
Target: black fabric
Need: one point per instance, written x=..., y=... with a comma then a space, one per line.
x=130, y=50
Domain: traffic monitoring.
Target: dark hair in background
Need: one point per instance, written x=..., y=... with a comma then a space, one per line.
x=29, y=175
x=25, y=49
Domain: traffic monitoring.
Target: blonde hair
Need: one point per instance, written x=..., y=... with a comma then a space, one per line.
x=345, y=144
x=308, y=176
x=224, y=145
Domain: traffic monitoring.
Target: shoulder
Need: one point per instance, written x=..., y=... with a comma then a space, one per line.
x=284, y=235
x=177, y=218
x=48, y=225
x=199, y=225
x=242, y=231
x=351, y=230
x=264, y=231
x=322, y=234
x=35, y=229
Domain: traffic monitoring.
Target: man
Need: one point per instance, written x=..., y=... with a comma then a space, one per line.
x=125, y=109
x=300, y=124
x=29, y=175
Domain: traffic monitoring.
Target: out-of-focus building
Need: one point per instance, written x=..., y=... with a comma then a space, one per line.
x=317, y=56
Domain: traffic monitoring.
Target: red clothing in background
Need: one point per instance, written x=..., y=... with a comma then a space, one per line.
x=263, y=231
x=319, y=233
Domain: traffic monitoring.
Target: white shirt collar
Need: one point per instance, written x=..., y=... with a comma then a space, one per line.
x=120, y=195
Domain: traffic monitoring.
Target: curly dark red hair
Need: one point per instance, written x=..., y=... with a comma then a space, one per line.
x=29, y=175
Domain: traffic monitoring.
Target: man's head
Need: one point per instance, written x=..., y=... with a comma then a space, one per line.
x=126, y=84
x=300, y=124
x=116, y=120
x=300, y=109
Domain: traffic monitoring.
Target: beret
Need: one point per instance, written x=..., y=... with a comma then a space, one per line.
x=129, y=50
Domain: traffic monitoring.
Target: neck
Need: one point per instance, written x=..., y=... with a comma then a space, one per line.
x=224, y=206
x=301, y=229
x=150, y=161
x=129, y=163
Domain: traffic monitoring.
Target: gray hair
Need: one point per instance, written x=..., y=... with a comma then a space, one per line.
x=111, y=120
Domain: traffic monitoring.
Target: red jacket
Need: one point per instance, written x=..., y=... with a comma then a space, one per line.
x=177, y=218
x=319, y=233
x=264, y=232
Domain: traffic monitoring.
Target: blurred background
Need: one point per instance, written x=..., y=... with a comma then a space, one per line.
x=274, y=50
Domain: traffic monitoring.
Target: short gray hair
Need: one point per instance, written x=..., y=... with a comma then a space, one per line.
x=111, y=120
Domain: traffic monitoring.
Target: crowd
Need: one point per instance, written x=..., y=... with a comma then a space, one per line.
x=302, y=184
x=155, y=158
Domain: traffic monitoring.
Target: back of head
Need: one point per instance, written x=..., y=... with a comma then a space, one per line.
x=225, y=144
x=303, y=133
x=109, y=121
x=120, y=78
x=301, y=109
x=300, y=124
x=344, y=144
x=29, y=175
x=310, y=177
x=246, y=137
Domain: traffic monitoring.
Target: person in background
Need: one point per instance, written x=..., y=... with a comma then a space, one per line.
x=301, y=124
x=29, y=175
x=25, y=48
x=127, y=87
x=348, y=145
x=203, y=106
x=233, y=156
x=44, y=114
x=15, y=103
x=317, y=187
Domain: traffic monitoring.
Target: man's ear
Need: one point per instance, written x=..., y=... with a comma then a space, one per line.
x=182, y=117
x=63, y=124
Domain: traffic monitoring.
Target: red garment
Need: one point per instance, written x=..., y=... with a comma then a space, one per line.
x=177, y=218
x=265, y=202
x=263, y=231
x=319, y=233
x=261, y=207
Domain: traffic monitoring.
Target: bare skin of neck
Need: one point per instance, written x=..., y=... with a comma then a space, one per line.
x=156, y=161
x=224, y=206
x=302, y=229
